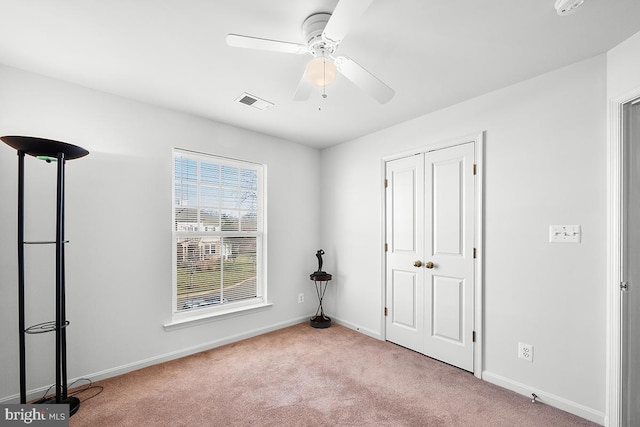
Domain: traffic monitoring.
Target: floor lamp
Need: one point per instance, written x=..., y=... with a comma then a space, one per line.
x=59, y=152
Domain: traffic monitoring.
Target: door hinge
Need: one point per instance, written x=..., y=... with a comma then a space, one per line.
x=474, y=168
x=474, y=253
x=386, y=247
x=385, y=311
x=386, y=183
x=473, y=336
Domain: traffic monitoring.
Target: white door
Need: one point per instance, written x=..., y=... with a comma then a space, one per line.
x=430, y=212
x=630, y=296
x=405, y=247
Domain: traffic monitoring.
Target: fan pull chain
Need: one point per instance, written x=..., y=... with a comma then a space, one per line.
x=324, y=78
x=324, y=81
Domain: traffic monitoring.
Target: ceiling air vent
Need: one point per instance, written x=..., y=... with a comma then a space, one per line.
x=254, y=101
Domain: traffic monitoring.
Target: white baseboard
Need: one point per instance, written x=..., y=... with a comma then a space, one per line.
x=523, y=389
x=546, y=398
x=123, y=369
x=355, y=327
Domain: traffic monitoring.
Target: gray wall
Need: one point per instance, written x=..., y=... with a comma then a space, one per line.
x=119, y=224
x=623, y=83
x=544, y=164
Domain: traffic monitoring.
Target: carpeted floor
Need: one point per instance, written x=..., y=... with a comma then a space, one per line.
x=300, y=376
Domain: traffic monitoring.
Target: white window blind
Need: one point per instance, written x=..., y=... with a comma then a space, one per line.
x=218, y=232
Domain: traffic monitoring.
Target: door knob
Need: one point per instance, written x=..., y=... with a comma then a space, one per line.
x=430, y=265
x=418, y=263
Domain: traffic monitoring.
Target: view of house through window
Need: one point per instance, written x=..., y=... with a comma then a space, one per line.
x=218, y=225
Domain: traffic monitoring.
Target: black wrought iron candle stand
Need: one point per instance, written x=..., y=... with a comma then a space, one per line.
x=321, y=280
x=59, y=152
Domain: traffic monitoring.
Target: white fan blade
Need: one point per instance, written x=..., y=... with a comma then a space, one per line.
x=247, y=42
x=342, y=19
x=303, y=90
x=364, y=79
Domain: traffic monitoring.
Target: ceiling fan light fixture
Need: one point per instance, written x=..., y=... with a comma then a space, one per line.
x=323, y=33
x=321, y=71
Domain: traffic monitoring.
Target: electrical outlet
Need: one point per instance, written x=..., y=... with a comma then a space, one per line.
x=300, y=298
x=525, y=351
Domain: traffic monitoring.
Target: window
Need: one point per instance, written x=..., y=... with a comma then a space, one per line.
x=218, y=226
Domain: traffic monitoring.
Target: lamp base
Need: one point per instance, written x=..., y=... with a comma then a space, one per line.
x=320, y=322
x=73, y=402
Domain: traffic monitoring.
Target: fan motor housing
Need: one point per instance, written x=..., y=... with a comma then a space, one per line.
x=312, y=29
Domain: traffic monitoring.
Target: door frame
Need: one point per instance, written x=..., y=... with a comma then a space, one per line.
x=615, y=240
x=478, y=143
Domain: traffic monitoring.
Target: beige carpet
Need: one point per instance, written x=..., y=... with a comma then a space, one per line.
x=300, y=376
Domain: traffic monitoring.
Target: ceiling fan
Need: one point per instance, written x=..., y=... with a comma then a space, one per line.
x=323, y=33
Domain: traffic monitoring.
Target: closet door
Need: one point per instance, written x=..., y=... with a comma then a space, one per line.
x=449, y=237
x=430, y=257
x=405, y=252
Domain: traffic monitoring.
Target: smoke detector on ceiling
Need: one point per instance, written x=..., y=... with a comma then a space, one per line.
x=567, y=7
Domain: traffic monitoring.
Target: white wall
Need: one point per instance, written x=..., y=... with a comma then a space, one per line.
x=545, y=164
x=119, y=224
x=623, y=68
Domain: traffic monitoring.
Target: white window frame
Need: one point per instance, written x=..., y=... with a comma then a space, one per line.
x=182, y=318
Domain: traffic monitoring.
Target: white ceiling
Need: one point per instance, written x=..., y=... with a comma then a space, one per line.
x=433, y=53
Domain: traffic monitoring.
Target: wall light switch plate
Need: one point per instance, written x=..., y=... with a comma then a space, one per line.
x=565, y=234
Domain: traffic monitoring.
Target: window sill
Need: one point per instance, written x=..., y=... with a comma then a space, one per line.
x=198, y=319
